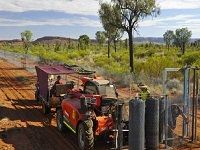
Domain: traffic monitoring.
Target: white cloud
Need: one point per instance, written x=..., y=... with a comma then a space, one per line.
x=148, y=23
x=80, y=21
x=164, y=21
x=179, y=4
x=177, y=18
x=192, y=22
x=84, y=7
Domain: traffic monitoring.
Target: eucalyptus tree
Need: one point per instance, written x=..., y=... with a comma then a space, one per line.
x=181, y=38
x=168, y=38
x=26, y=37
x=84, y=41
x=125, y=15
x=100, y=37
x=106, y=14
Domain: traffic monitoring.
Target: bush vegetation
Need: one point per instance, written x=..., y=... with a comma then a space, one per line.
x=150, y=59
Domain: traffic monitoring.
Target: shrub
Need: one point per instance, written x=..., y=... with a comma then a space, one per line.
x=173, y=84
x=154, y=66
x=73, y=55
x=190, y=58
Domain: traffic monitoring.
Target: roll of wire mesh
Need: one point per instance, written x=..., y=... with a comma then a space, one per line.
x=152, y=124
x=136, y=125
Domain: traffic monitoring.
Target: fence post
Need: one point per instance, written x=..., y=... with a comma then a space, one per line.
x=161, y=120
x=152, y=124
x=186, y=99
x=136, y=125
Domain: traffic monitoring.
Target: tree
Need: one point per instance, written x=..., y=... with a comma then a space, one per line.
x=168, y=38
x=126, y=14
x=109, y=40
x=116, y=36
x=26, y=37
x=84, y=41
x=106, y=14
x=196, y=43
x=181, y=38
x=126, y=44
x=100, y=37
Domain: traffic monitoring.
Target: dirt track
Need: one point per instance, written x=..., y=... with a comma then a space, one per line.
x=22, y=124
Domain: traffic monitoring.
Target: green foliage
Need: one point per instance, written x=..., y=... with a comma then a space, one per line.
x=149, y=62
x=197, y=63
x=113, y=33
x=154, y=66
x=143, y=54
x=100, y=37
x=191, y=58
x=57, y=47
x=181, y=38
x=124, y=16
x=111, y=65
x=26, y=36
x=84, y=41
x=168, y=38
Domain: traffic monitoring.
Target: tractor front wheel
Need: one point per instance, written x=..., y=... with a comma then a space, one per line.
x=85, y=135
x=59, y=120
x=45, y=109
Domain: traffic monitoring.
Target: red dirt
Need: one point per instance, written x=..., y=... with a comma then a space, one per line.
x=22, y=124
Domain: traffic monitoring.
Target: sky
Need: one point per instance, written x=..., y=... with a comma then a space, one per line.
x=72, y=18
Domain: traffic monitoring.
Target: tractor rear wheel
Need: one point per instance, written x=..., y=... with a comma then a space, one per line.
x=45, y=109
x=85, y=135
x=59, y=120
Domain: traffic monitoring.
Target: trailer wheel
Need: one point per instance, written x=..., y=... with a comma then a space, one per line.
x=59, y=120
x=45, y=108
x=85, y=135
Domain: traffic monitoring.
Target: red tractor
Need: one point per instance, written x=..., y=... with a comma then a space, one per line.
x=89, y=110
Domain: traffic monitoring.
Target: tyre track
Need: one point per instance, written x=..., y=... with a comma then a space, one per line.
x=67, y=138
x=13, y=94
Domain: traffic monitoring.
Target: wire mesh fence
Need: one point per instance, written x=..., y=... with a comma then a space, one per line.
x=180, y=123
x=19, y=60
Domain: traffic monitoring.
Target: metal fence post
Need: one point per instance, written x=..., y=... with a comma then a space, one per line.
x=186, y=99
x=161, y=120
